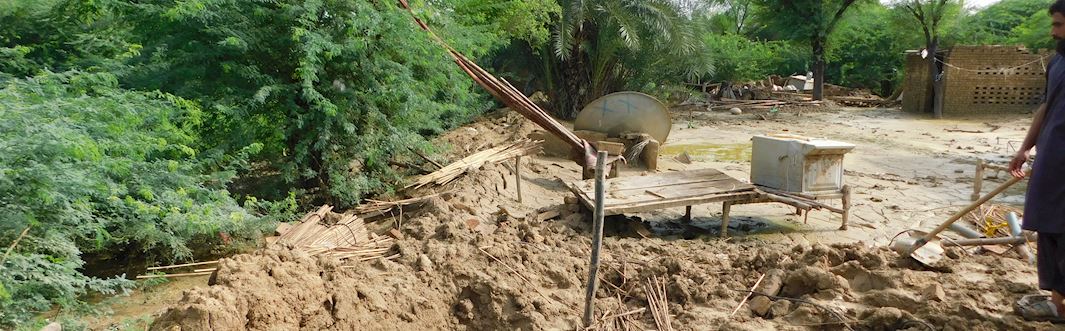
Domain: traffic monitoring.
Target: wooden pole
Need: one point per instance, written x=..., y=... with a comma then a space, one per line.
x=978, y=180
x=597, y=239
x=988, y=241
x=181, y=265
x=726, y=207
x=846, y=215
x=517, y=175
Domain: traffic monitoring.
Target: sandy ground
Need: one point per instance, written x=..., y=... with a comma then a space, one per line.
x=478, y=260
x=907, y=171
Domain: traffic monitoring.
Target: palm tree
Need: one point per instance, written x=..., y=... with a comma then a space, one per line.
x=598, y=46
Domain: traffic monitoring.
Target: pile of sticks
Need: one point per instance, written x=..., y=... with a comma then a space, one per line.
x=377, y=208
x=492, y=155
x=657, y=300
x=343, y=236
x=320, y=232
x=990, y=219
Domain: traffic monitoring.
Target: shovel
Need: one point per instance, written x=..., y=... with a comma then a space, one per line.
x=927, y=249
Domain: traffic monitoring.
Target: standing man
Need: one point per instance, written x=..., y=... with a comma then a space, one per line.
x=1044, y=205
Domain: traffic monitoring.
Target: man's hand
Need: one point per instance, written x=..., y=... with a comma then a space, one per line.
x=1018, y=162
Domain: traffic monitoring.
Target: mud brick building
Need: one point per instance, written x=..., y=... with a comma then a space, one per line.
x=978, y=80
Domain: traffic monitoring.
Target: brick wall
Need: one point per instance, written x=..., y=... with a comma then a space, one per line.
x=914, y=85
x=993, y=79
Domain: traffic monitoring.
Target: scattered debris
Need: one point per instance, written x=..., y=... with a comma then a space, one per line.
x=377, y=208
x=475, y=161
x=683, y=158
x=655, y=291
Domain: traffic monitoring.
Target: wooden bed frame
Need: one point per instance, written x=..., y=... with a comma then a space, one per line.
x=687, y=188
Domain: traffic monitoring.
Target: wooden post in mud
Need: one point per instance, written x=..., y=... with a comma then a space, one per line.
x=597, y=239
x=978, y=180
x=517, y=175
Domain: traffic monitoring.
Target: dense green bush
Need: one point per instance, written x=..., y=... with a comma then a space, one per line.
x=737, y=58
x=338, y=92
x=92, y=169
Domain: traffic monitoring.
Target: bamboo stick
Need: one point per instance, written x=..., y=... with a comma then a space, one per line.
x=182, y=265
x=175, y=275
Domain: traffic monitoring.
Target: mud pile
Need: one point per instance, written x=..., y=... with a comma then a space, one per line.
x=456, y=273
x=477, y=260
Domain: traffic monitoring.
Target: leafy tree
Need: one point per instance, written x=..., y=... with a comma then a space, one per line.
x=600, y=45
x=811, y=20
x=523, y=20
x=865, y=53
x=1033, y=32
x=930, y=14
x=737, y=58
x=337, y=91
x=996, y=23
x=728, y=16
x=58, y=35
x=91, y=171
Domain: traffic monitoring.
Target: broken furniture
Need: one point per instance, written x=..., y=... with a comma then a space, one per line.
x=687, y=188
x=978, y=176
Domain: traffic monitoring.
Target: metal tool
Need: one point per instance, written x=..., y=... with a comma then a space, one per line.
x=927, y=248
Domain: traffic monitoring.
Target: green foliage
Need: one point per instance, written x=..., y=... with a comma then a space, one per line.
x=603, y=46
x=58, y=35
x=740, y=59
x=865, y=54
x=1033, y=32
x=335, y=90
x=525, y=20
x=92, y=169
x=996, y=24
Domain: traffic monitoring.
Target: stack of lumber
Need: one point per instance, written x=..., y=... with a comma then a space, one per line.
x=475, y=161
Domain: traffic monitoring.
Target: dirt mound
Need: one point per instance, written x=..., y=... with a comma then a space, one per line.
x=529, y=275
x=478, y=260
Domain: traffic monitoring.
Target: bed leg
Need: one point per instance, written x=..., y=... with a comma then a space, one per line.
x=725, y=208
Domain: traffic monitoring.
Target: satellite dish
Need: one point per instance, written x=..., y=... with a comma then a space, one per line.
x=621, y=112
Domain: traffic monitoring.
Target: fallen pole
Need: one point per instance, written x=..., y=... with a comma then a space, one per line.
x=932, y=235
x=988, y=241
x=597, y=238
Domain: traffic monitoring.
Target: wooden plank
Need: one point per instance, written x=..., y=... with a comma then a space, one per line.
x=655, y=205
x=716, y=182
x=686, y=190
x=668, y=195
x=658, y=180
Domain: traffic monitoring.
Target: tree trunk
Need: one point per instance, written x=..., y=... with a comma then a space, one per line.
x=818, y=68
x=574, y=79
x=930, y=89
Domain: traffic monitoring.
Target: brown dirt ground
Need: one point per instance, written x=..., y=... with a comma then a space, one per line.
x=476, y=259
